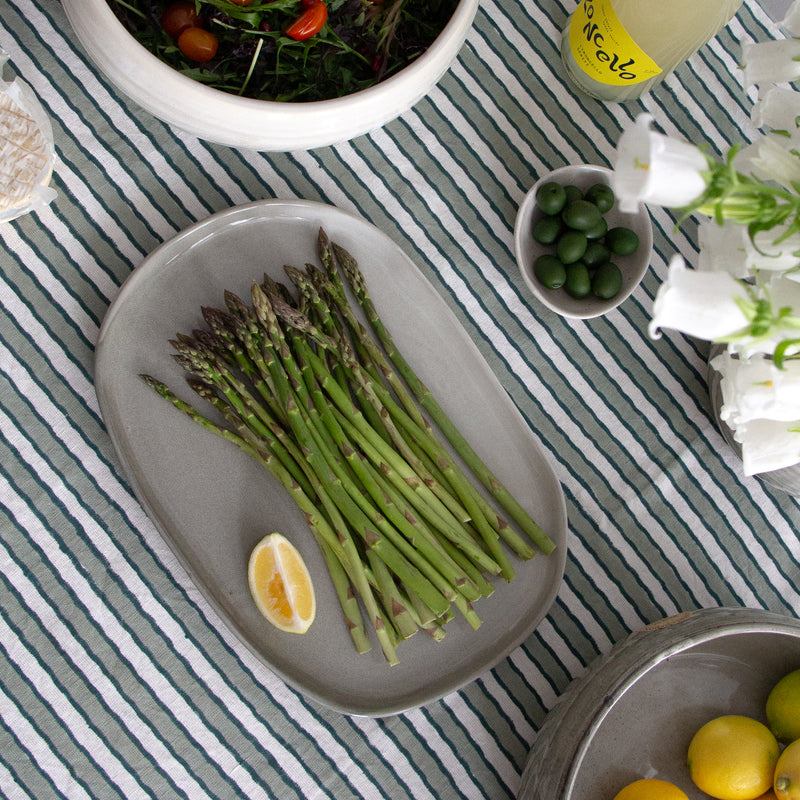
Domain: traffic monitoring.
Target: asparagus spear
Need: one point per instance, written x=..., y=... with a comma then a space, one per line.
x=422, y=393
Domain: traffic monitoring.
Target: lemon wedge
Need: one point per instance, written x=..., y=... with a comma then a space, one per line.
x=281, y=585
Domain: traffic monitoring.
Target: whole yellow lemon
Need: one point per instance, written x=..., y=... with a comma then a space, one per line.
x=783, y=708
x=733, y=758
x=651, y=789
x=787, y=773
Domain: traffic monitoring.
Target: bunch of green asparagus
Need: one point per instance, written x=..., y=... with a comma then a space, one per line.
x=335, y=413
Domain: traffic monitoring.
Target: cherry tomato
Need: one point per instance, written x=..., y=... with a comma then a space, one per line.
x=198, y=44
x=179, y=16
x=309, y=22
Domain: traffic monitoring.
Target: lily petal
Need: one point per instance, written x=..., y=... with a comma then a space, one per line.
x=729, y=248
x=768, y=445
x=756, y=389
x=778, y=108
x=791, y=22
x=770, y=62
x=771, y=158
x=700, y=304
x=723, y=248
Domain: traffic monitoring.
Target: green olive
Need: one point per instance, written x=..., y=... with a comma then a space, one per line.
x=598, y=230
x=547, y=229
x=581, y=215
x=551, y=198
x=573, y=193
x=602, y=195
x=596, y=254
x=571, y=246
x=549, y=271
x=578, y=283
x=607, y=281
x=622, y=241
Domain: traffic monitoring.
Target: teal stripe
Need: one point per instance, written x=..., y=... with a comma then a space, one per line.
x=149, y=651
x=23, y=753
x=25, y=637
x=84, y=644
x=126, y=592
x=13, y=669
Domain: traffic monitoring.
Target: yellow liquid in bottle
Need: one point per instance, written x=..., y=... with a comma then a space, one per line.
x=617, y=50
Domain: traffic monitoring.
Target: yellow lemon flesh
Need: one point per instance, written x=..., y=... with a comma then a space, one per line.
x=787, y=773
x=783, y=708
x=651, y=789
x=281, y=585
x=733, y=758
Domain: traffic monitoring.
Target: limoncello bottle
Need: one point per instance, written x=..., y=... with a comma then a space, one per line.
x=617, y=50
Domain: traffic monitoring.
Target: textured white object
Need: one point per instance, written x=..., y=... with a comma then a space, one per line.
x=244, y=122
x=26, y=151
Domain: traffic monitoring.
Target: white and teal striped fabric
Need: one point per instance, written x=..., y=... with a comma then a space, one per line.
x=116, y=677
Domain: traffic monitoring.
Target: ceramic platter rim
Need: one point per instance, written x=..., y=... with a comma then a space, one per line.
x=174, y=281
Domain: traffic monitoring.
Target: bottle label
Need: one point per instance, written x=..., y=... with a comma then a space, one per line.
x=603, y=48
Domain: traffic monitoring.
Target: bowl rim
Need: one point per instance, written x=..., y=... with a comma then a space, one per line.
x=595, y=306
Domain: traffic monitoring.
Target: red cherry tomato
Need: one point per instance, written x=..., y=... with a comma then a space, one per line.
x=198, y=44
x=309, y=22
x=179, y=16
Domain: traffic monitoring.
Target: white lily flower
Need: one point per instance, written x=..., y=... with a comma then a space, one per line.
x=723, y=248
x=729, y=248
x=652, y=168
x=756, y=389
x=791, y=22
x=770, y=158
x=700, y=304
x=768, y=445
x=770, y=62
x=778, y=108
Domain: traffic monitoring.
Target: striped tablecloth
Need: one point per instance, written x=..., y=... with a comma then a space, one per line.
x=116, y=677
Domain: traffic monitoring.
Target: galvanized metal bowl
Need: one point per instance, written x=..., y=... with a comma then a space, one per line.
x=635, y=710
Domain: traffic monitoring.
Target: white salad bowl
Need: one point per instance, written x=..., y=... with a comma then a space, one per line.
x=242, y=122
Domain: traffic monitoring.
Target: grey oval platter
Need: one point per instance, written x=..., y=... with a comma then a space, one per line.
x=211, y=503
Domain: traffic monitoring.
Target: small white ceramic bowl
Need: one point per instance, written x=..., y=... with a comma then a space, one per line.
x=245, y=122
x=633, y=267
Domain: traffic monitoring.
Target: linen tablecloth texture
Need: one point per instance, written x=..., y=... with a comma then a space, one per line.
x=116, y=677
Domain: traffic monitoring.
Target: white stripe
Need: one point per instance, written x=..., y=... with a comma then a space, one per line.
x=485, y=741
x=12, y=789
x=406, y=773
x=206, y=671
x=82, y=659
x=53, y=352
x=40, y=752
